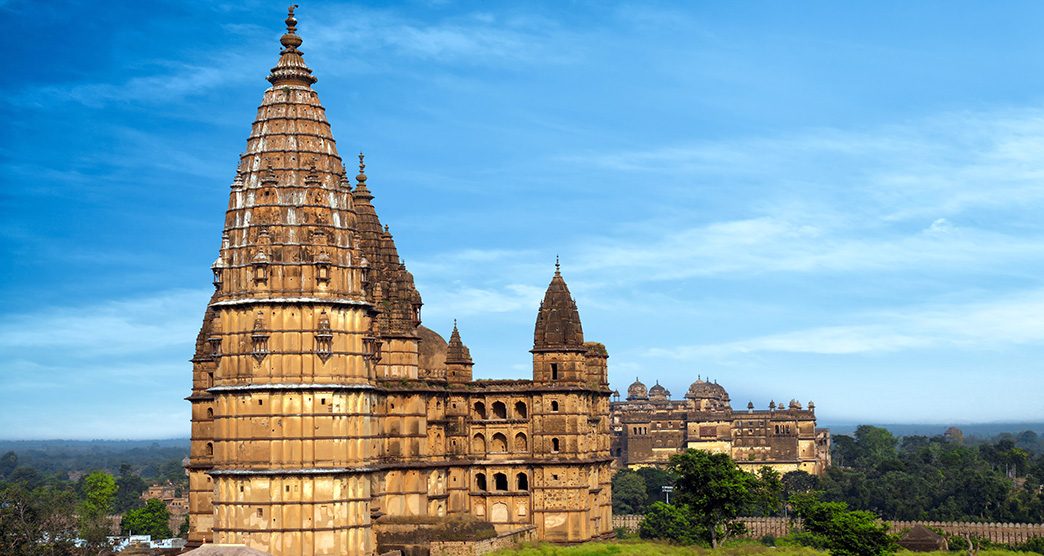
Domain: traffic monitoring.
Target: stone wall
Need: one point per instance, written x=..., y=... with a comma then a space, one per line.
x=1001, y=533
x=472, y=548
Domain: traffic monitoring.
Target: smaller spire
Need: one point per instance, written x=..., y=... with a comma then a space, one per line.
x=456, y=351
x=344, y=178
x=361, y=193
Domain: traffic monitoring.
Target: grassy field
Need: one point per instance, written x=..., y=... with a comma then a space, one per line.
x=644, y=548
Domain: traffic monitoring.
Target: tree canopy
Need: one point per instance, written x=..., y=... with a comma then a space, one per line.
x=151, y=519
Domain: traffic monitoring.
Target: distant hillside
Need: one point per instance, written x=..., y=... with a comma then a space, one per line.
x=149, y=458
x=980, y=430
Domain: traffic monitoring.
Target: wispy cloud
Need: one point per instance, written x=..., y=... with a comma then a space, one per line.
x=124, y=328
x=984, y=325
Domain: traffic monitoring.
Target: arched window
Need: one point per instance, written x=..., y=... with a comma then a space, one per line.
x=210, y=413
x=554, y=405
x=480, y=410
x=480, y=481
x=210, y=449
x=520, y=442
x=500, y=481
x=520, y=410
x=554, y=444
x=478, y=444
x=499, y=410
x=498, y=443
x=521, y=482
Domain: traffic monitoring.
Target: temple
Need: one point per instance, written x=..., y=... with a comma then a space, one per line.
x=649, y=427
x=326, y=419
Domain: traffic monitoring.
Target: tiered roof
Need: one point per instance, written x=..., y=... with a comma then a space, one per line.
x=457, y=352
x=392, y=289
x=558, y=321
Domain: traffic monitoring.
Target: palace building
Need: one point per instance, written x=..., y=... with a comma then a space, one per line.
x=649, y=427
x=326, y=420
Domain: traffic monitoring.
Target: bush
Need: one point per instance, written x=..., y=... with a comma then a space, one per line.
x=1035, y=544
x=670, y=523
x=832, y=526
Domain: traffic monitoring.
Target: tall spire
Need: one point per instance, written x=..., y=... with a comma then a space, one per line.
x=291, y=67
x=558, y=321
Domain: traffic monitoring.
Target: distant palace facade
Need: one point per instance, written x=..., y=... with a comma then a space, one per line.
x=326, y=420
x=649, y=427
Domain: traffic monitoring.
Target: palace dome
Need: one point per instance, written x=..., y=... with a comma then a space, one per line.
x=658, y=392
x=705, y=390
x=637, y=391
x=431, y=353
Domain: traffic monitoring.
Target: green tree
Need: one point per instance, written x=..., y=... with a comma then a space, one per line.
x=832, y=526
x=129, y=488
x=8, y=463
x=99, y=496
x=715, y=491
x=798, y=482
x=667, y=522
x=875, y=443
x=655, y=479
x=629, y=496
x=768, y=495
x=37, y=522
x=151, y=519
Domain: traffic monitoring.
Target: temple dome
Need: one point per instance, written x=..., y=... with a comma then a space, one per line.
x=637, y=391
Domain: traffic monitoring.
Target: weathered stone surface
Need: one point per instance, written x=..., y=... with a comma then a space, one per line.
x=322, y=410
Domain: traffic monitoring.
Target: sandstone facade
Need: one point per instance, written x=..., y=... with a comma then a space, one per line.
x=321, y=408
x=649, y=427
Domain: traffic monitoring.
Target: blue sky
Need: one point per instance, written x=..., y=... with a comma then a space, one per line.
x=830, y=201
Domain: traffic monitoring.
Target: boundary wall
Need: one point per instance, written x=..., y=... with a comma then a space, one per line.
x=1000, y=533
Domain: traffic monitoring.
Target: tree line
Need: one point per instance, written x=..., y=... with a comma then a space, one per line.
x=937, y=478
x=710, y=492
x=47, y=513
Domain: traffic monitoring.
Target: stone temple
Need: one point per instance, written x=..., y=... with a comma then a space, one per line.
x=325, y=418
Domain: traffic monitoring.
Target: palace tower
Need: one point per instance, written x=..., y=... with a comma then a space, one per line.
x=326, y=420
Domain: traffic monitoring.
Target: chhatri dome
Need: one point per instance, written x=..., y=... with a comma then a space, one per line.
x=637, y=391
x=659, y=393
x=706, y=390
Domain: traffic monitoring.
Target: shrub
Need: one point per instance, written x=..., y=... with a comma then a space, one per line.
x=832, y=526
x=670, y=523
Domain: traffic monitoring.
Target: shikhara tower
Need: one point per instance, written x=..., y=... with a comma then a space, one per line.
x=322, y=411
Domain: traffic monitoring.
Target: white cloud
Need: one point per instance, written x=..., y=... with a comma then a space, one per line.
x=123, y=328
x=460, y=301
x=984, y=325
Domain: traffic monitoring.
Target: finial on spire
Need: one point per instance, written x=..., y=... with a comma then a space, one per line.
x=361, y=178
x=290, y=40
x=454, y=324
x=558, y=266
x=291, y=68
